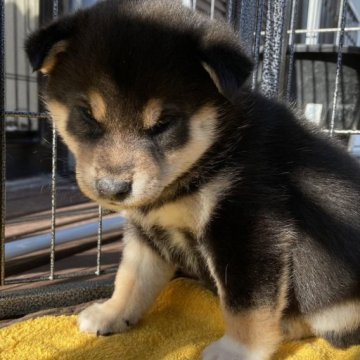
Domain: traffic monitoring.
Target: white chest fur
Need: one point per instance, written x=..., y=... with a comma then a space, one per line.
x=191, y=213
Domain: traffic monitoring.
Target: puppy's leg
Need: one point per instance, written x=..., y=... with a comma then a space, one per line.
x=251, y=334
x=141, y=276
x=339, y=324
x=296, y=328
x=251, y=275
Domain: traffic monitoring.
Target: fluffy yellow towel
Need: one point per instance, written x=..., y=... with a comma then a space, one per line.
x=183, y=321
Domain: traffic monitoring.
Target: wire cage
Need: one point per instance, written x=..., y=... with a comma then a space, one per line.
x=288, y=40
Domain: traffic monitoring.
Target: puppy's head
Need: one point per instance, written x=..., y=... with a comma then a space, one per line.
x=134, y=89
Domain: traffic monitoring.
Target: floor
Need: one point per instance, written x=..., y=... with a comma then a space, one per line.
x=29, y=214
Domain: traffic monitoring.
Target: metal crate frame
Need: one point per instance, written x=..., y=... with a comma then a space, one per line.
x=247, y=16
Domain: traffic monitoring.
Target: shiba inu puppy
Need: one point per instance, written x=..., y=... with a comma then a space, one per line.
x=213, y=178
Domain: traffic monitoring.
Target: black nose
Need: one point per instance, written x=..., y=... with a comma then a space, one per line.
x=113, y=189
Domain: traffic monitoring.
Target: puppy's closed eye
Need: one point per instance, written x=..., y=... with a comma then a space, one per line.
x=169, y=118
x=87, y=116
x=161, y=126
x=83, y=124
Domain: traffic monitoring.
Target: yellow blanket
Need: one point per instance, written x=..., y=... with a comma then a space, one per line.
x=183, y=321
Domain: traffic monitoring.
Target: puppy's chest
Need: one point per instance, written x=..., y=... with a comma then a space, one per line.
x=175, y=229
x=182, y=214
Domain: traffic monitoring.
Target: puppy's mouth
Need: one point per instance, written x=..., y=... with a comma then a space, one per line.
x=127, y=203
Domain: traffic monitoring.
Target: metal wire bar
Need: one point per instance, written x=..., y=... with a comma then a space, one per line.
x=99, y=241
x=294, y=9
x=27, y=71
x=327, y=30
x=53, y=179
x=247, y=23
x=15, y=54
x=256, y=51
x=77, y=274
x=194, y=4
x=347, y=29
x=276, y=10
x=230, y=11
x=342, y=19
x=27, y=114
x=3, y=142
x=55, y=13
x=212, y=9
x=344, y=132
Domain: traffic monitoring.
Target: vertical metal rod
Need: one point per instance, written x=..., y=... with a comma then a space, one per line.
x=342, y=20
x=16, y=68
x=27, y=67
x=3, y=142
x=247, y=24
x=229, y=11
x=53, y=179
x=276, y=10
x=194, y=4
x=256, y=51
x=55, y=9
x=212, y=9
x=292, y=47
x=99, y=240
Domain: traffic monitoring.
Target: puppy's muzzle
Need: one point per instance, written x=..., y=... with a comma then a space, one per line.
x=111, y=189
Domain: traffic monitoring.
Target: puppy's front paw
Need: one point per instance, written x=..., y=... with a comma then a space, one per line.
x=102, y=319
x=228, y=349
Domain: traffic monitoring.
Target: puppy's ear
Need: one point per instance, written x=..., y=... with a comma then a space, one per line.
x=227, y=66
x=44, y=46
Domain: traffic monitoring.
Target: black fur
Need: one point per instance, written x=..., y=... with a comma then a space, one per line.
x=82, y=127
x=39, y=44
x=295, y=203
x=343, y=341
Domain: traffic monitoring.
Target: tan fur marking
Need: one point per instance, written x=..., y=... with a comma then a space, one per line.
x=341, y=318
x=50, y=61
x=258, y=329
x=202, y=132
x=98, y=105
x=60, y=114
x=141, y=276
x=211, y=267
x=190, y=212
x=152, y=113
x=178, y=214
x=295, y=328
x=213, y=76
x=282, y=299
x=210, y=195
